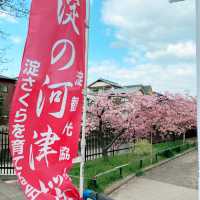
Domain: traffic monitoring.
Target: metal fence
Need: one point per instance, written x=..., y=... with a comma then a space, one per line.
x=6, y=167
x=94, y=146
x=94, y=149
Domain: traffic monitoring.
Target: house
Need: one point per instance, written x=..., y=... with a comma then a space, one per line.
x=144, y=89
x=103, y=85
x=7, y=87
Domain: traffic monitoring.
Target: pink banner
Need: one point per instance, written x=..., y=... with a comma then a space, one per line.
x=46, y=112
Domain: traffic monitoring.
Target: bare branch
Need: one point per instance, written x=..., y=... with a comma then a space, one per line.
x=3, y=34
x=115, y=139
x=16, y=8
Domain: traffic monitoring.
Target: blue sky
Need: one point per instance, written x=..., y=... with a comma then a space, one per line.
x=131, y=42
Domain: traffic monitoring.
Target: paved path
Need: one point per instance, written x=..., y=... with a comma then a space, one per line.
x=10, y=191
x=175, y=180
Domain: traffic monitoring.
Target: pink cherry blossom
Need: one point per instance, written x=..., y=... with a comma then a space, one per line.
x=131, y=116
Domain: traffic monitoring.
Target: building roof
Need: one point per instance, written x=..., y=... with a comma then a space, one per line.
x=7, y=78
x=133, y=86
x=145, y=89
x=106, y=81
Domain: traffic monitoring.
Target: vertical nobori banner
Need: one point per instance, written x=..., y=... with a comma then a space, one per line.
x=46, y=112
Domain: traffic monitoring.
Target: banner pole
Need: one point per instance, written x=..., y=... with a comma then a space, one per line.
x=198, y=85
x=84, y=121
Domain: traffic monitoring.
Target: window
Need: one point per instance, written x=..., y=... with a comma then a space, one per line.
x=3, y=88
x=1, y=100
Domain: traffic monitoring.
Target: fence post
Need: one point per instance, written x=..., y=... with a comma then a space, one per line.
x=141, y=163
x=156, y=157
x=120, y=171
x=94, y=181
x=85, y=153
x=6, y=167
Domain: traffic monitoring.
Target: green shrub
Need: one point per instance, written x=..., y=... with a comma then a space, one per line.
x=167, y=153
x=178, y=149
x=142, y=148
x=92, y=184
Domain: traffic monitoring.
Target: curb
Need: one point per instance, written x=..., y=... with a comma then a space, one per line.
x=8, y=177
x=113, y=187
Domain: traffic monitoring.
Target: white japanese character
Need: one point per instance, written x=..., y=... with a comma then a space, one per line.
x=59, y=52
x=27, y=84
x=32, y=68
x=71, y=16
x=18, y=131
x=16, y=162
x=68, y=129
x=65, y=175
x=60, y=194
x=17, y=147
x=54, y=98
x=22, y=99
x=40, y=103
x=48, y=139
x=21, y=116
x=54, y=185
x=64, y=153
x=31, y=158
x=58, y=180
x=74, y=104
x=79, y=80
x=43, y=187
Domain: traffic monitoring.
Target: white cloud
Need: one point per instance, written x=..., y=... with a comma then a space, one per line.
x=174, y=78
x=145, y=23
x=8, y=18
x=185, y=51
x=16, y=39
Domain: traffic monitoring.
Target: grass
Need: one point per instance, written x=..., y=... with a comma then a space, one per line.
x=168, y=144
x=94, y=167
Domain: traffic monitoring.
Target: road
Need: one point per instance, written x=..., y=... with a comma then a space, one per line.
x=175, y=180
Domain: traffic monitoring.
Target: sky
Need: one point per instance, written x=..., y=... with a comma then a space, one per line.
x=130, y=42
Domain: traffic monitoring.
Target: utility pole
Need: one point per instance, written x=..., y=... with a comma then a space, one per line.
x=198, y=80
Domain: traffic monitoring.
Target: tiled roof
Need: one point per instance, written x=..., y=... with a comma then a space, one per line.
x=106, y=81
x=145, y=89
x=7, y=78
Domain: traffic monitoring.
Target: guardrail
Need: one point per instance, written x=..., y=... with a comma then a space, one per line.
x=162, y=153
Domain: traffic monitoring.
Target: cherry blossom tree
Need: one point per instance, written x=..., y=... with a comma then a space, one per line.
x=164, y=115
x=135, y=116
x=107, y=120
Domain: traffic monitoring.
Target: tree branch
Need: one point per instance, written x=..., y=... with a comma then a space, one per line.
x=114, y=139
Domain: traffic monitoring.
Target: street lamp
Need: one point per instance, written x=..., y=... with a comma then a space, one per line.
x=198, y=79
x=175, y=1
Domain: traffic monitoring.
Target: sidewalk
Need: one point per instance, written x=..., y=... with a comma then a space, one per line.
x=175, y=180
x=10, y=191
x=146, y=189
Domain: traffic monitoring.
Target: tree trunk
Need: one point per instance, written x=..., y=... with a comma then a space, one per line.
x=183, y=138
x=105, y=153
